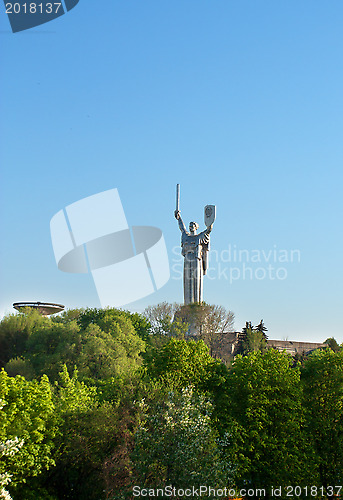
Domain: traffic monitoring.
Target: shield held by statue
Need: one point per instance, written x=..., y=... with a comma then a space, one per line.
x=209, y=215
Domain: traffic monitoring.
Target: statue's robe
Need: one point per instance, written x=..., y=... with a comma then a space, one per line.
x=194, y=250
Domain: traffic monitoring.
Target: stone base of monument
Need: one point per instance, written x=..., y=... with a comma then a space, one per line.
x=193, y=330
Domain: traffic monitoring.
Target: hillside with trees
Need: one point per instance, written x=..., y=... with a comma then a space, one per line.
x=96, y=402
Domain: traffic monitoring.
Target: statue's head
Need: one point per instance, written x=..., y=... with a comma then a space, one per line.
x=193, y=226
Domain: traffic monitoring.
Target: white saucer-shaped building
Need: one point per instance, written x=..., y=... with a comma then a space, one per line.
x=45, y=308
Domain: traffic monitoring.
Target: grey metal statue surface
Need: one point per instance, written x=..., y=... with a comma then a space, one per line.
x=195, y=249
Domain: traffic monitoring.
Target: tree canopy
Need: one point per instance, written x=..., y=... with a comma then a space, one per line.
x=100, y=343
x=95, y=401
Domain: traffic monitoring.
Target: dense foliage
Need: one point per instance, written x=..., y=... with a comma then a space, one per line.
x=176, y=444
x=94, y=402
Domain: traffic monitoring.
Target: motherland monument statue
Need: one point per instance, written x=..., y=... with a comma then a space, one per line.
x=195, y=248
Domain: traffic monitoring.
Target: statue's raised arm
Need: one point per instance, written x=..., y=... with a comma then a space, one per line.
x=207, y=230
x=180, y=221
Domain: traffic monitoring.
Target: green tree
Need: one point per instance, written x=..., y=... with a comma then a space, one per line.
x=252, y=338
x=265, y=409
x=140, y=324
x=262, y=328
x=108, y=354
x=163, y=326
x=86, y=436
x=254, y=341
x=160, y=317
x=118, y=467
x=51, y=345
x=15, y=330
x=67, y=316
x=20, y=366
x=332, y=343
x=176, y=445
x=124, y=345
x=8, y=448
x=214, y=385
x=322, y=379
x=27, y=414
x=181, y=363
x=101, y=343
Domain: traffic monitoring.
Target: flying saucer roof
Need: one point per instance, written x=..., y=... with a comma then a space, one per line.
x=45, y=308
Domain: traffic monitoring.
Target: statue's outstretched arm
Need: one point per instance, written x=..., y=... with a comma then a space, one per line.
x=180, y=221
x=208, y=229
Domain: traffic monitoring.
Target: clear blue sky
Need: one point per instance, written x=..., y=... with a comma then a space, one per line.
x=240, y=101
